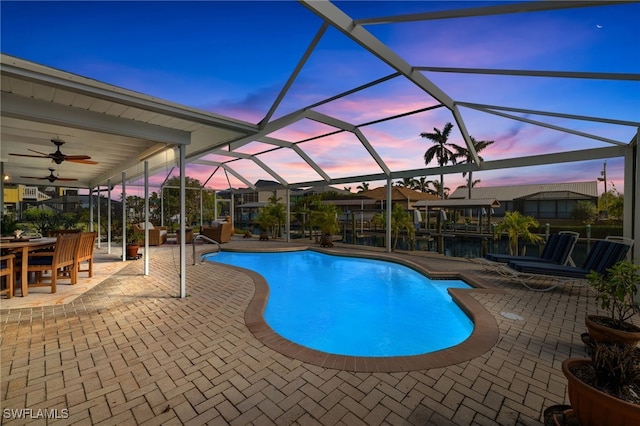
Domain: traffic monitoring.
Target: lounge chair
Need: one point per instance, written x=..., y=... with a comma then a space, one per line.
x=603, y=255
x=557, y=250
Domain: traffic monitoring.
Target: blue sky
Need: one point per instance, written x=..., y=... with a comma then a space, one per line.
x=232, y=58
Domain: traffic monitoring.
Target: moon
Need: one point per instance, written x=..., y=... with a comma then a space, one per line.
x=598, y=26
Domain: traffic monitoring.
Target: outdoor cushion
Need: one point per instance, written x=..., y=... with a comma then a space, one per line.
x=41, y=260
x=602, y=256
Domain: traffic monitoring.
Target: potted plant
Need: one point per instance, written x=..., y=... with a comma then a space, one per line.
x=265, y=221
x=615, y=290
x=605, y=389
x=325, y=218
x=134, y=238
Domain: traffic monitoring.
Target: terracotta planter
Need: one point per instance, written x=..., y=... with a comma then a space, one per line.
x=132, y=251
x=326, y=240
x=595, y=408
x=602, y=334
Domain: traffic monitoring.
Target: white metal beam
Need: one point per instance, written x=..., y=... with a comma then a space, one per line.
x=482, y=107
x=332, y=14
x=553, y=127
x=535, y=160
x=295, y=72
x=537, y=73
x=534, y=6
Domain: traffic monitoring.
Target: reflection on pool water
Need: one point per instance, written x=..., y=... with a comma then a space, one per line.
x=355, y=306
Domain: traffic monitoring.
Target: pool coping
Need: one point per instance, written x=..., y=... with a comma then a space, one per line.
x=484, y=336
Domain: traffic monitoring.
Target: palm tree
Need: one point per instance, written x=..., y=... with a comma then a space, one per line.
x=517, y=226
x=422, y=184
x=463, y=152
x=438, y=189
x=400, y=220
x=364, y=186
x=473, y=184
x=407, y=182
x=440, y=151
x=325, y=217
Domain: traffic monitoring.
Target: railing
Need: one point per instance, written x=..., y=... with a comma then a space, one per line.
x=32, y=193
x=203, y=237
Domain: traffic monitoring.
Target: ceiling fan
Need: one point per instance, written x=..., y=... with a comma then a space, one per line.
x=51, y=178
x=58, y=157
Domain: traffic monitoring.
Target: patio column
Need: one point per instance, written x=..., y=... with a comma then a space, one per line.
x=109, y=216
x=631, y=216
x=388, y=233
x=287, y=225
x=1, y=187
x=146, y=218
x=183, y=251
x=124, y=218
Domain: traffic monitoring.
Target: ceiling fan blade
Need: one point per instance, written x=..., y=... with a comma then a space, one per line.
x=76, y=157
x=58, y=157
x=49, y=178
x=32, y=156
x=81, y=161
x=44, y=154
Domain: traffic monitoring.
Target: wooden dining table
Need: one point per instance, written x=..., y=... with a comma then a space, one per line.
x=22, y=248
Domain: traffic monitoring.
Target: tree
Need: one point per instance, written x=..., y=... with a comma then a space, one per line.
x=517, y=226
x=422, y=184
x=325, y=217
x=612, y=202
x=439, y=189
x=473, y=184
x=400, y=221
x=584, y=211
x=302, y=211
x=272, y=216
x=440, y=150
x=364, y=186
x=42, y=220
x=465, y=154
x=407, y=183
x=171, y=195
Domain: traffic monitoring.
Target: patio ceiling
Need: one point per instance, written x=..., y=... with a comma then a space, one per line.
x=119, y=128
x=116, y=127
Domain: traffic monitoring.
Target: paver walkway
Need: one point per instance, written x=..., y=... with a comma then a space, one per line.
x=128, y=351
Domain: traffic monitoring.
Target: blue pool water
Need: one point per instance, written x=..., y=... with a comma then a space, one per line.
x=354, y=306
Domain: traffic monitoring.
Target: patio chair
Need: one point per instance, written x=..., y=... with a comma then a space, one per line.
x=7, y=271
x=557, y=250
x=61, y=263
x=85, y=252
x=603, y=255
x=157, y=234
x=220, y=232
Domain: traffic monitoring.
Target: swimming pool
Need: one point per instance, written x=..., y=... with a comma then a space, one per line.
x=355, y=306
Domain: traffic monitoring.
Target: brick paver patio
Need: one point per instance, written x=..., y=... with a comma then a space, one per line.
x=129, y=351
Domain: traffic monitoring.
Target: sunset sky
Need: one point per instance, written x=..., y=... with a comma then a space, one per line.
x=233, y=58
